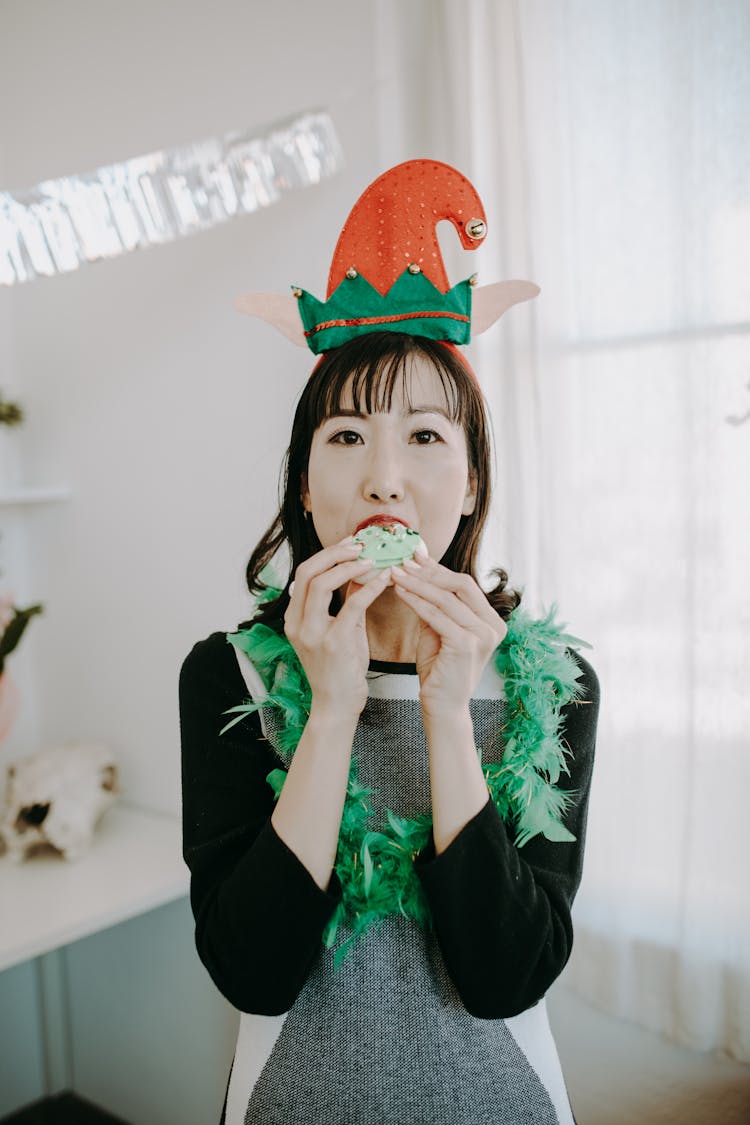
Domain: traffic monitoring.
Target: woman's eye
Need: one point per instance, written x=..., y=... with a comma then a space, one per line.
x=429, y=433
x=343, y=434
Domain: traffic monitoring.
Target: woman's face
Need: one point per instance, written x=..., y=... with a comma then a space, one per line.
x=409, y=462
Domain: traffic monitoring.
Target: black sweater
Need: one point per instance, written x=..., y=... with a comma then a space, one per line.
x=260, y=915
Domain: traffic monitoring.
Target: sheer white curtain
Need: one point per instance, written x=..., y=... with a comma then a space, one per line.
x=611, y=142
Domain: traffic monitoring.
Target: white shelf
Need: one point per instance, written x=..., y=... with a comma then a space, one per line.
x=134, y=865
x=33, y=494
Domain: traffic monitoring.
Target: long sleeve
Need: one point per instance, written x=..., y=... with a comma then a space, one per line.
x=259, y=914
x=503, y=915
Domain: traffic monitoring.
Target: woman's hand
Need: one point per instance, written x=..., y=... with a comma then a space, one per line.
x=458, y=632
x=333, y=650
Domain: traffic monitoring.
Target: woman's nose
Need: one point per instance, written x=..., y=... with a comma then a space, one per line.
x=384, y=480
x=386, y=492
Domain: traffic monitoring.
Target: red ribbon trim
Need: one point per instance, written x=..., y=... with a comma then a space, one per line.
x=356, y=321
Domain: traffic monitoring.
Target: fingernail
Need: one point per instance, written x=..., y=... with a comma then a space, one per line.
x=410, y=564
x=385, y=573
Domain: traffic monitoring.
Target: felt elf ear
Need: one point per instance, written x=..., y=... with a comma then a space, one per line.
x=489, y=302
x=280, y=312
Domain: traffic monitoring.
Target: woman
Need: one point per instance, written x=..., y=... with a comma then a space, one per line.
x=359, y=892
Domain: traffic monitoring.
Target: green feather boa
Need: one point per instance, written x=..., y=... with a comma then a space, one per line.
x=375, y=868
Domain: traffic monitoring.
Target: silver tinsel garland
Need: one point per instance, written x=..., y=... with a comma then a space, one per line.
x=62, y=224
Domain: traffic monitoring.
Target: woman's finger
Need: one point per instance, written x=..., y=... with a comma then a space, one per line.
x=445, y=626
x=462, y=585
x=354, y=608
x=321, y=587
x=443, y=599
x=346, y=551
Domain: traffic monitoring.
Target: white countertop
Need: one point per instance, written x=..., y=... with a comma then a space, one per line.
x=134, y=865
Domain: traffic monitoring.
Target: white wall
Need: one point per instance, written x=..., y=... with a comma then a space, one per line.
x=168, y=414
x=165, y=411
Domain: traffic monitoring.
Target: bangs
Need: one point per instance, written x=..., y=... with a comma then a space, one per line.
x=366, y=381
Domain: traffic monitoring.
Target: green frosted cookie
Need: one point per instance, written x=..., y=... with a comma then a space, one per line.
x=388, y=544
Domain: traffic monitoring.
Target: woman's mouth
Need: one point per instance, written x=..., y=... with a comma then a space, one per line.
x=380, y=521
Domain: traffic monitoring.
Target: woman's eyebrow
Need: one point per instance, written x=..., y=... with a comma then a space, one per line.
x=428, y=410
x=343, y=413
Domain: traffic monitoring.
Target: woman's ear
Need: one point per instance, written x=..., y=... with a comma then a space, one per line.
x=304, y=492
x=470, y=500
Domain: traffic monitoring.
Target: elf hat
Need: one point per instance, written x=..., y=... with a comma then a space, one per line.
x=387, y=272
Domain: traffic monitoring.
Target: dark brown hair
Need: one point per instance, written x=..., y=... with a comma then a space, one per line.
x=372, y=364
